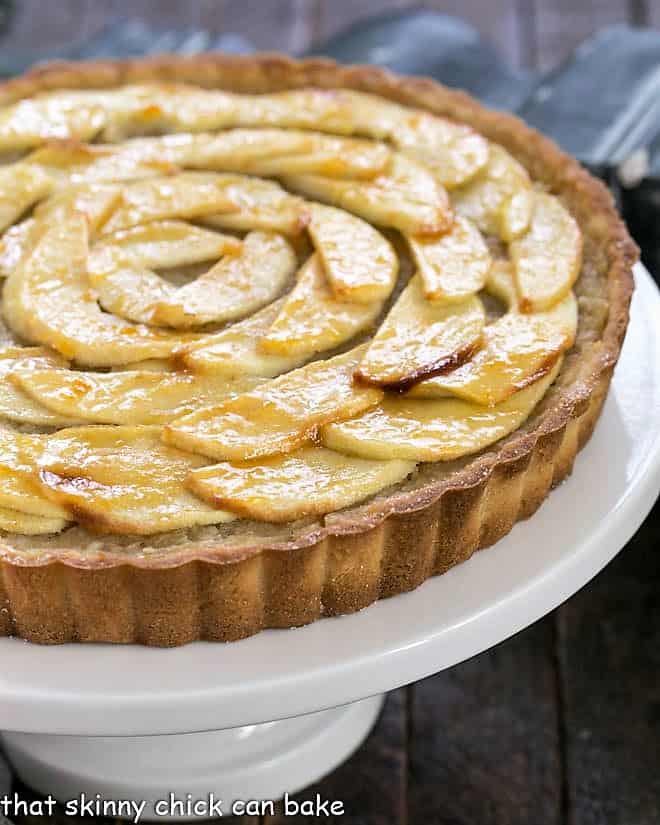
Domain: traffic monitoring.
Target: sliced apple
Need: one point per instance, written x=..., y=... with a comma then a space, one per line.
x=405, y=196
x=166, y=244
x=359, y=262
x=95, y=201
x=127, y=397
x=337, y=111
x=441, y=430
x=15, y=405
x=65, y=155
x=71, y=162
x=334, y=111
x=119, y=267
x=164, y=107
x=453, y=151
x=250, y=274
x=236, y=286
x=21, y=186
x=116, y=114
x=261, y=205
x=52, y=115
x=235, y=351
x=47, y=301
x=277, y=416
x=309, y=482
x=501, y=284
x=518, y=349
x=312, y=320
x=454, y=265
x=274, y=152
x=420, y=338
x=547, y=259
x=70, y=255
x=19, y=453
x=148, y=365
x=11, y=521
x=14, y=244
x=187, y=195
x=500, y=199
x=123, y=287
x=268, y=152
x=123, y=480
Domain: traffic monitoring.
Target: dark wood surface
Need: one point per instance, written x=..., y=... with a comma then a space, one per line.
x=559, y=725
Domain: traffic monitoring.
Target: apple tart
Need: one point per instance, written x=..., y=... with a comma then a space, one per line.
x=280, y=338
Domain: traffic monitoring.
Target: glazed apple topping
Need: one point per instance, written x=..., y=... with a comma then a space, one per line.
x=48, y=301
x=122, y=480
x=312, y=320
x=358, y=261
x=310, y=481
x=262, y=152
x=499, y=199
x=547, y=259
x=279, y=415
x=125, y=397
x=406, y=196
x=420, y=338
x=13, y=521
x=453, y=265
x=15, y=404
x=20, y=188
x=237, y=350
x=14, y=244
x=275, y=308
x=247, y=276
x=517, y=348
x=433, y=430
x=19, y=454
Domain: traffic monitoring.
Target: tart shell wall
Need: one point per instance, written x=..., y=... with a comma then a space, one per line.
x=219, y=589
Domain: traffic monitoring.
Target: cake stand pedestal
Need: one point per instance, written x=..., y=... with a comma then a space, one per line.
x=250, y=762
x=267, y=715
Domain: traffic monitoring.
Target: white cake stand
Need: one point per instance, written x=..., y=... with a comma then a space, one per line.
x=135, y=723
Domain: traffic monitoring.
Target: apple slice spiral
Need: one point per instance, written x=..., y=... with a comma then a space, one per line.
x=211, y=312
x=247, y=276
x=455, y=152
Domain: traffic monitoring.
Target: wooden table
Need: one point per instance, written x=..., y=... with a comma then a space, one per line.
x=560, y=724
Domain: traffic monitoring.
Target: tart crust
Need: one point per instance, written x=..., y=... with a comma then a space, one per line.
x=229, y=582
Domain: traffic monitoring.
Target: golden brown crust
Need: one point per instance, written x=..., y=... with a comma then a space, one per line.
x=224, y=590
